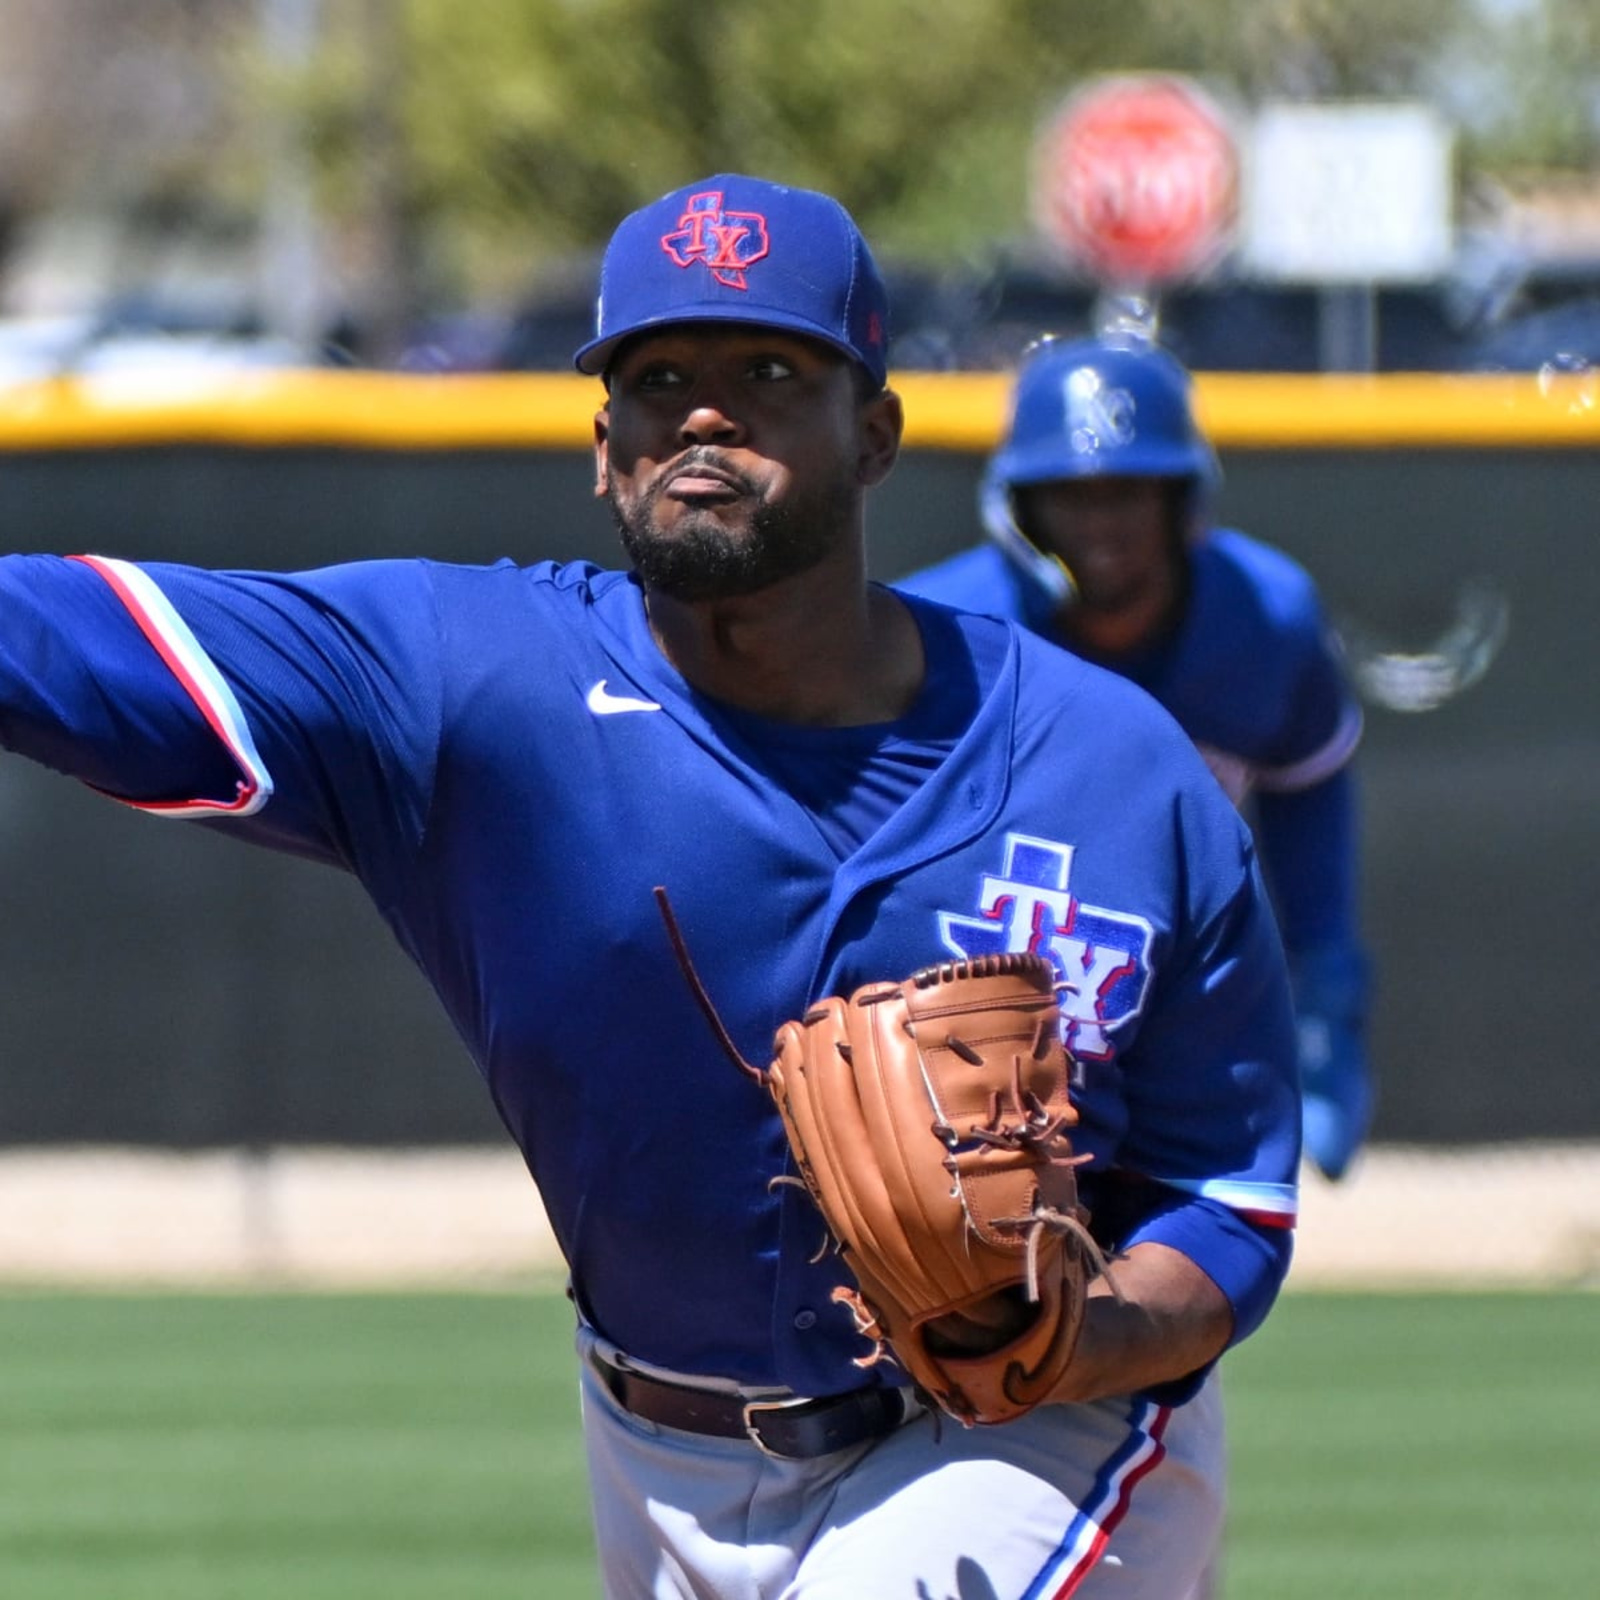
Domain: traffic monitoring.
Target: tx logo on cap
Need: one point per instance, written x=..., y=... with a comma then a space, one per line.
x=726, y=242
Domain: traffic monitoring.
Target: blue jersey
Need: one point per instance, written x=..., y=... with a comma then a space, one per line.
x=1253, y=675
x=504, y=759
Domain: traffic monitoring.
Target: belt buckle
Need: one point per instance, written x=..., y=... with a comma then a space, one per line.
x=751, y=1413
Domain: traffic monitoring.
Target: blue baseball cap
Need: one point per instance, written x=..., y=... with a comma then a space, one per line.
x=738, y=249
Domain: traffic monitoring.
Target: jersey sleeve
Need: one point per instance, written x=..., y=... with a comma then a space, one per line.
x=301, y=710
x=1256, y=676
x=1202, y=1098
x=1322, y=721
x=83, y=690
x=1310, y=851
x=1213, y=1108
x=1324, y=727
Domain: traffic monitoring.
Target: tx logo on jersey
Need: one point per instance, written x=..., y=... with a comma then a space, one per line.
x=1102, y=956
x=725, y=242
x=1096, y=417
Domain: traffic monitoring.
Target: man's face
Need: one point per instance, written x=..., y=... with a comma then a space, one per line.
x=733, y=457
x=1116, y=536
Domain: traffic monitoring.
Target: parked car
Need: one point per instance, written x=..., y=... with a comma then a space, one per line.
x=136, y=334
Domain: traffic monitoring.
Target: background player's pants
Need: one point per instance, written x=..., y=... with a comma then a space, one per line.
x=1119, y=1500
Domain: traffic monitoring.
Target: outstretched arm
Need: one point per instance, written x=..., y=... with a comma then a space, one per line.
x=92, y=684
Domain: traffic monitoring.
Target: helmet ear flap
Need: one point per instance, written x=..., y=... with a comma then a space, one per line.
x=1046, y=572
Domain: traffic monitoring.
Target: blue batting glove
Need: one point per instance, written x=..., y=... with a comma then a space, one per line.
x=1336, y=1088
x=1335, y=1093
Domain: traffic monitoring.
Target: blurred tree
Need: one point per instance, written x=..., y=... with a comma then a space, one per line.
x=445, y=151
x=1314, y=49
x=529, y=128
x=110, y=117
x=1535, y=65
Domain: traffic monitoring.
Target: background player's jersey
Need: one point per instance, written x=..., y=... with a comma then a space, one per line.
x=1251, y=672
x=504, y=759
x=1254, y=676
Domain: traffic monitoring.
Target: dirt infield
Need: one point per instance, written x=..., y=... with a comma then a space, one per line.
x=1407, y=1217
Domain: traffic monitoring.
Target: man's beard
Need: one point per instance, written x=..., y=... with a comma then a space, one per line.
x=704, y=559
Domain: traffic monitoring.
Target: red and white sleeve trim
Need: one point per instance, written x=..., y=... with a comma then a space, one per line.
x=172, y=640
x=1319, y=764
x=1268, y=1205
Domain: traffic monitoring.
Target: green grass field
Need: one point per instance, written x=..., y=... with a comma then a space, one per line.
x=334, y=1447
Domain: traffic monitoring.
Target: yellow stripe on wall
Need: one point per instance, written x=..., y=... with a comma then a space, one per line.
x=965, y=411
x=366, y=410
x=944, y=411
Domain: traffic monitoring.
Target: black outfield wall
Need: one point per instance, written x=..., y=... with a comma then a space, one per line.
x=160, y=985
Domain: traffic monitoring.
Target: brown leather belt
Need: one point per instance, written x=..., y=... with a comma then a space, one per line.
x=794, y=1429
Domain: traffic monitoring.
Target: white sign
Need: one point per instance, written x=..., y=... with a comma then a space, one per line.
x=1348, y=193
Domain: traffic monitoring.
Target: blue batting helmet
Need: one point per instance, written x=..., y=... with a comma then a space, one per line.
x=1091, y=408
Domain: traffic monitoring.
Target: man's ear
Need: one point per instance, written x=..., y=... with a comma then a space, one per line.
x=602, y=446
x=882, y=424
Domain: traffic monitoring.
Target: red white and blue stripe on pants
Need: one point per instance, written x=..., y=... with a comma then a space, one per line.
x=1105, y=1506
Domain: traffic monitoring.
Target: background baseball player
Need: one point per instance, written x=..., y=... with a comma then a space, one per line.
x=1098, y=507
x=834, y=784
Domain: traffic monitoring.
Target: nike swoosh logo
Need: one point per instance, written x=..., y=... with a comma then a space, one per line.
x=603, y=703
